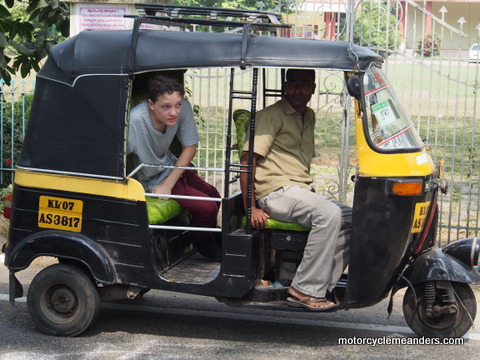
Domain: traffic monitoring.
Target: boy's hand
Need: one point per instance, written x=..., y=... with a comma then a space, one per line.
x=162, y=189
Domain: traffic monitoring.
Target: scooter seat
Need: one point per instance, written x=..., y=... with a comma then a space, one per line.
x=162, y=210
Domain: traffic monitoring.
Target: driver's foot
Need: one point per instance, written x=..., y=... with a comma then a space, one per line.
x=299, y=299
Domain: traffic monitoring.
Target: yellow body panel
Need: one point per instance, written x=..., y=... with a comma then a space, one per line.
x=376, y=164
x=131, y=190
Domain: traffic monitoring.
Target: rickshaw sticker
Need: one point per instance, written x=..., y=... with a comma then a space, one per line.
x=384, y=113
x=379, y=79
x=421, y=210
x=422, y=159
x=60, y=213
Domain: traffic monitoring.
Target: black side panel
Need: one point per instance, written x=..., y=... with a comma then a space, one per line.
x=381, y=234
x=77, y=129
x=117, y=228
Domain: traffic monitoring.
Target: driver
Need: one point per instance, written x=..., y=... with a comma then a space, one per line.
x=283, y=150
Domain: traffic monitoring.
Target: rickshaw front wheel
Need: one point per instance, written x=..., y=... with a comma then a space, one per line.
x=62, y=300
x=447, y=325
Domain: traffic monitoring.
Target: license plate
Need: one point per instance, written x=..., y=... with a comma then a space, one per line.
x=421, y=210
x=60, y=213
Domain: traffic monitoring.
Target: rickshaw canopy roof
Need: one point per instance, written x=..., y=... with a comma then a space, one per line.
x=110, y=52
x=78, y=116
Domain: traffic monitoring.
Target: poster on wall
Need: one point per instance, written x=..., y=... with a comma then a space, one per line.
x=102, y=17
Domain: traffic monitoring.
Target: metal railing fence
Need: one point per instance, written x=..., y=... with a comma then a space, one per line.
x=425, y=45
x=426, y=58
x=15, y=101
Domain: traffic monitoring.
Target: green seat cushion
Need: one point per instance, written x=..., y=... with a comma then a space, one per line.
x=241, y=118
x=161, y=210
x=280, y=225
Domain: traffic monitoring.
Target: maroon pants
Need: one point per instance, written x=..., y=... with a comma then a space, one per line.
x=203, y=213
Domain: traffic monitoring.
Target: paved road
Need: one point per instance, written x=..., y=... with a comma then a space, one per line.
x=178, y=326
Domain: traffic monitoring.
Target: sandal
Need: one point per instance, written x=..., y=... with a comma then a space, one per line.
x=307, y=301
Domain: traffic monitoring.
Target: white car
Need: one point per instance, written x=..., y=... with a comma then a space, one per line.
x=474, y=53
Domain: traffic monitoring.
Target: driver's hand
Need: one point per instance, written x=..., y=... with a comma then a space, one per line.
x=259, y=218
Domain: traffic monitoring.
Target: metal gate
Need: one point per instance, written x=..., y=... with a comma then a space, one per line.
x=425, y=45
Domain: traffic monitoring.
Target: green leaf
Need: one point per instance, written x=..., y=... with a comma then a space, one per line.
x=25, y=69
x=64, y=28
x=24, y=30
x=35, y=67
x=5, y=76
x=21, y=49
x=3, y=60
x=3, y=41
x=4, y=13
x=54, y=4
x=32, y=6
x=42, y=3
x=44, y=15
x=33, y=13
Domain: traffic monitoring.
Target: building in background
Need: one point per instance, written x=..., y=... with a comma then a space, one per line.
x=456, y=21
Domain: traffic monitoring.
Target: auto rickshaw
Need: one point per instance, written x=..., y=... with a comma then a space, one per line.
x=75, y=200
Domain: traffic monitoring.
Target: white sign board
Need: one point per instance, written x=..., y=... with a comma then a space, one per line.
x=102, y=17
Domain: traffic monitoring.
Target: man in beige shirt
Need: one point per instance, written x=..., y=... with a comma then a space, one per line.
x=283, y=151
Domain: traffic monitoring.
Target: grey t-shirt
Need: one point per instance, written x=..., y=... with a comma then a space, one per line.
x=150, y=146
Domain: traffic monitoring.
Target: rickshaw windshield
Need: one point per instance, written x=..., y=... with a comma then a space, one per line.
x=388, y=126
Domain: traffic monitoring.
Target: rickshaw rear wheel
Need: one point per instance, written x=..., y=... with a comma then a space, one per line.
x=62, y=300
x=446, y=325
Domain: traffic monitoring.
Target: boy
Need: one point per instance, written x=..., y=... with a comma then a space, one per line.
x=153, y=125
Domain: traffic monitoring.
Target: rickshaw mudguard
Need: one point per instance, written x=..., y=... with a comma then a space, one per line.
x=63, y=245
x=434, y=265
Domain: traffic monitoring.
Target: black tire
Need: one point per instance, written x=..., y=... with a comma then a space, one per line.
x=62, y=300
x=447, y=325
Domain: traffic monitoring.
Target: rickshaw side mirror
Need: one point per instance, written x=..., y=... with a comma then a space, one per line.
x=353, y=87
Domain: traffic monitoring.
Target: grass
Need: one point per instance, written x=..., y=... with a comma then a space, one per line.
x=441, y=97
x=440, y=94
x=433, y=77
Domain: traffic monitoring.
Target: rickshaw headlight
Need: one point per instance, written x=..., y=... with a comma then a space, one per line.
x=466, y=250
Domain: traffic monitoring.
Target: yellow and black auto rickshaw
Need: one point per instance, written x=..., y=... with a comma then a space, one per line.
x=75, y=200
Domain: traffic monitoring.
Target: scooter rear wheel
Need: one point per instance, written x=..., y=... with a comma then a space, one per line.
x=447, y=325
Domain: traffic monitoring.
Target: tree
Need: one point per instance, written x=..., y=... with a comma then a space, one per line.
x=27, y=32
x=28, y=29
x=265, y=5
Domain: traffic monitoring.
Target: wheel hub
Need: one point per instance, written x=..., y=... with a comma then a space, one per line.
x=63, y=300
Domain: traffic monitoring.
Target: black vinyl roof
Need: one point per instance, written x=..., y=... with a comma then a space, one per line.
x=110, y=52
x=78, y=116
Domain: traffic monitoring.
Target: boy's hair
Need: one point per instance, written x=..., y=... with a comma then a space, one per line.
x=163, y=84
